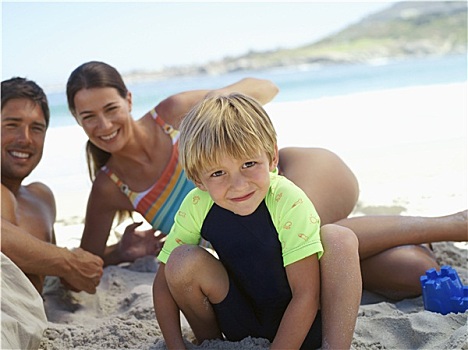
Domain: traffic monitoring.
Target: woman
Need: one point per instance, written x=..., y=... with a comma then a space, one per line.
x=133, y=165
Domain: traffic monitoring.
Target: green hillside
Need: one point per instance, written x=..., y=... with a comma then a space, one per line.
x=406, y=29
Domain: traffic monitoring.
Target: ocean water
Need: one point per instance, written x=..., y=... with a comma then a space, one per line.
x=296, y=83
x=403, y=144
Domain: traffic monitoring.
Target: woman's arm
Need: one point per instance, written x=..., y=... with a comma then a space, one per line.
x=100, y=213
x=175, y=107
x=260, y=89
x=104, y=201
x=304, y=280
x=167, y=311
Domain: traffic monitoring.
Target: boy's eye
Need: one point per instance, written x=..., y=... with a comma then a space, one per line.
x=248, y=164
x=217, y=173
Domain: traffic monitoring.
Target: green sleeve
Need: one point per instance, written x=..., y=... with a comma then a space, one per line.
x=295, y=219
x=187, y=222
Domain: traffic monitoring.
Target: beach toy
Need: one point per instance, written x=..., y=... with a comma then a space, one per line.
x=443, y=291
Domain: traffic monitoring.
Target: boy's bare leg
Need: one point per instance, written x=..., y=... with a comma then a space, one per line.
x=196, y=280
x=341, y=286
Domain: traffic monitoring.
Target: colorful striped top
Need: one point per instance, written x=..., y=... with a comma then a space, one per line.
x=160, y=202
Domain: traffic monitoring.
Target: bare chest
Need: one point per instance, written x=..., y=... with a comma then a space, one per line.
x=35, y=217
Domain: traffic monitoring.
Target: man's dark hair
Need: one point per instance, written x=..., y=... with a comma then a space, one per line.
x=24, y=88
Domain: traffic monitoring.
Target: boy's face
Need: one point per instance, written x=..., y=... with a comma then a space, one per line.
x=238, y=185
x=23, y=135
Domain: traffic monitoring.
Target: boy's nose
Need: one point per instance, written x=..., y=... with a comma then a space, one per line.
x=238, y=181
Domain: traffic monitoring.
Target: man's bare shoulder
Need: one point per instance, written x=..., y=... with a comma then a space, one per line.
x=37, y=199
x=9, y=205
x=40, y=190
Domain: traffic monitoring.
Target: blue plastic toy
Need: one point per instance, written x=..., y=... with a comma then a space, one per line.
x=443, y=291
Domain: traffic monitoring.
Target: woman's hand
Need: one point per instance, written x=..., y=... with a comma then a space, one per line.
x=136, y=244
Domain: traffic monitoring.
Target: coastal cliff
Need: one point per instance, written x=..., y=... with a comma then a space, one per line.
x=406, y=29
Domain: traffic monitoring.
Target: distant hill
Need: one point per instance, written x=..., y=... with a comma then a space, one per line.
x=406, y=29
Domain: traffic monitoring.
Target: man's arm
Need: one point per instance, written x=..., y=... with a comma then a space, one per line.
x=80, y=270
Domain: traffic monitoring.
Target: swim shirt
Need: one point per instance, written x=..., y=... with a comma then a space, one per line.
x=259, y=291
x=159, y=203
x=293, y=215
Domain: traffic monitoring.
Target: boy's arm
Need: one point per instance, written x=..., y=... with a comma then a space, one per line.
x=304, y=280
x=167, y=311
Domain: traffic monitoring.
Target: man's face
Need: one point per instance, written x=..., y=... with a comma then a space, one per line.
x=23, y=134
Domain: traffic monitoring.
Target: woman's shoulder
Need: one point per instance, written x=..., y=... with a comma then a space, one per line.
x=106, y=192
x=167, y=110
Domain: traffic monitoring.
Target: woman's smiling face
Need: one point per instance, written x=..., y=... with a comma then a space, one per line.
x=104, y=115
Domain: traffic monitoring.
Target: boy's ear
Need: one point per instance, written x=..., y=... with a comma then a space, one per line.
x=200, y=186
x=275, y=160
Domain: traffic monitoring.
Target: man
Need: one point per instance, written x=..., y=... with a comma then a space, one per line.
x=28, y=211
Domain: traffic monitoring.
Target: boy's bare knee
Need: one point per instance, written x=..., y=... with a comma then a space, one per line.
x=191, y=268
x=338, y=237
x=183, y=262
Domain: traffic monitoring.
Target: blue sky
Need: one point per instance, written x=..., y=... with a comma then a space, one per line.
x=45, y=41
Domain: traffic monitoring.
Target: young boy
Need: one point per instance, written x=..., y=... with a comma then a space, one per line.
x=267, y=281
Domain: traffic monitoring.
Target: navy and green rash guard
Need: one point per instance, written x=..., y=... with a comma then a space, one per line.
x=254, y=249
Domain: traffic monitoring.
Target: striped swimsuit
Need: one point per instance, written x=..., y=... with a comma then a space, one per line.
x=160, y=202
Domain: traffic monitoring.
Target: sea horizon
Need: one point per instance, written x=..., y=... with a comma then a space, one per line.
x=298, y=83
x=407, y=146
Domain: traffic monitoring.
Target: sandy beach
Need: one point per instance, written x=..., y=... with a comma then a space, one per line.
x=408, y=148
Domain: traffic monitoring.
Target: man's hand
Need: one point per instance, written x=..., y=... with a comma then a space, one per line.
x=136, y=244
x=85, y=271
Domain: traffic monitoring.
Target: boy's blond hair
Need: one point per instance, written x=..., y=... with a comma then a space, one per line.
x=235, y=125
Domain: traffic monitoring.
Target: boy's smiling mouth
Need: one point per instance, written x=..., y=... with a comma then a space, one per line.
x=243, y=198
